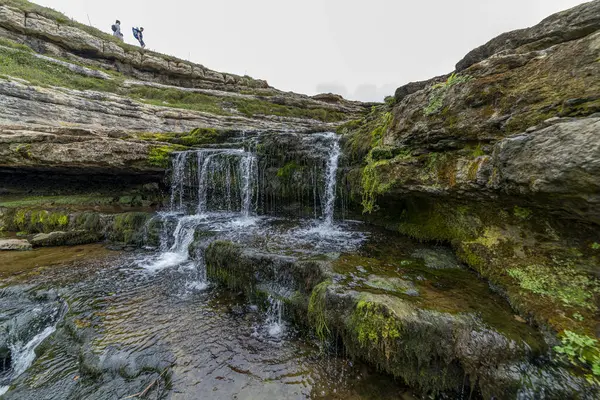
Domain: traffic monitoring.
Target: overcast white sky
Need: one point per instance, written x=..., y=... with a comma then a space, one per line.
x=362, y=50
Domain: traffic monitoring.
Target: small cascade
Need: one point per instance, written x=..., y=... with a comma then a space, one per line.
x=23, y=355
x=205, y=183
x=274, y=320
x=178, y=180
x=225, y=180
x=248, y=172
x=330, y=180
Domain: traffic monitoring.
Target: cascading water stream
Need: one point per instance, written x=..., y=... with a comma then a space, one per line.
x=274, y=320
x=24, y=354
x=330, y=179
x=223, y=177
x=177, y=181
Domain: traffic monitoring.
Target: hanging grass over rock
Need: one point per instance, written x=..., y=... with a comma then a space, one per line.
x=159, y=156
x=25, y=65
x=316, y=311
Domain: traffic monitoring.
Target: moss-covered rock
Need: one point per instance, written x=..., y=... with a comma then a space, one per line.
x=70, y=238
x=435, y=337
x=128, y=228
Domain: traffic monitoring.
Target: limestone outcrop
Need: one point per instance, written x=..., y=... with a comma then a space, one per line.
x=73, y=96
x=500, y=159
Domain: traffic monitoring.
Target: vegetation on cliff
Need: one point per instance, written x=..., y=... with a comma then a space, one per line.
x=500, y=161
x=20, y=62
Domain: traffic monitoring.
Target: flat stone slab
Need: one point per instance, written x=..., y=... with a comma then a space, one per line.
x=14, y=245
x=70, y=238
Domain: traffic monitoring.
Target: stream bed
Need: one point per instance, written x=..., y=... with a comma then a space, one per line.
x=224, y=301
x=124, y=318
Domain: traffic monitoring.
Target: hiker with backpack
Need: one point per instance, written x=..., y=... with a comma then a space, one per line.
x=116, y=28
x=137, y=33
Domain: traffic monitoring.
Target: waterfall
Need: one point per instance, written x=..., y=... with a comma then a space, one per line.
x=274, y=316
x=225, y=180
x=247, y=169
x=178, y=180
x=24, y=354
x=330, y=180
x=225, y=176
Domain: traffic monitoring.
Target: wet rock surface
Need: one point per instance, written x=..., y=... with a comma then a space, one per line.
x=500, y=160
x=27, y=313
x=495, y=166
x=128, y=327
x=395, y=308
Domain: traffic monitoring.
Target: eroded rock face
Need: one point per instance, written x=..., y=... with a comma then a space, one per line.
x=558, y=28
x=500, y=160
x=50, y=122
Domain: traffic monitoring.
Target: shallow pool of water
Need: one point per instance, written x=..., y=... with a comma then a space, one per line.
x=128, y=330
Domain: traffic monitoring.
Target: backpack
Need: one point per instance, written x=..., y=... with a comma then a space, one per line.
x=114, y=28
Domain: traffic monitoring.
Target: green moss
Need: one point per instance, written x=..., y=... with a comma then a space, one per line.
x=372, y=184
x=128, y=228
x=477, y=151
x=198, y=136
x=53, y=201
x=159, y=155
x=39, y=221
x=438, y=94
x=522, y=213
x=349, y=127
x=316, y=311
x=24, y=150
x=287, y=170
x=439, y=223
x=382, y=153
x=374, y=326
x=24, y=65
x=172, y=97
x=89, y=221
x=562, y=283
x=14, y=45
x=19, y=219
x=595, y=246
x=583, y=352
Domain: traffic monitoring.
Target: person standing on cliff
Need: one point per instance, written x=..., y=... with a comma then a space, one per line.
x=116, y=28
x=137, y=33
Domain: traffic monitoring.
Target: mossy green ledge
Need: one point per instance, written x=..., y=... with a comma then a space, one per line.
x=434, y=351
x=500, y=160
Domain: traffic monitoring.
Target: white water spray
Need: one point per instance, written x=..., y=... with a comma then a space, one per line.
x=330, y=180
x=23, y=355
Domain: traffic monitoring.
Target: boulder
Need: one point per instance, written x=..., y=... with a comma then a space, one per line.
x=14, y=244
x=417, y=328
x=70, y=238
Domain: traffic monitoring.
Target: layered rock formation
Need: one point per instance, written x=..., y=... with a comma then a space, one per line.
x=501, y=159
x=50, y=121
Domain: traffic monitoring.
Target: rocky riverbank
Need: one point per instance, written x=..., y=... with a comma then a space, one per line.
x=493, y=168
